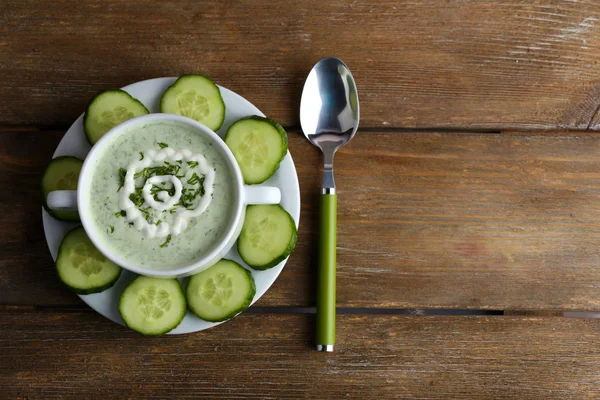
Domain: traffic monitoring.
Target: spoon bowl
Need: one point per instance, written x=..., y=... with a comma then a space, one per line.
x=329, y=109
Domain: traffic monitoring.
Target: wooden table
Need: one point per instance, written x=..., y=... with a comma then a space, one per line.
x=473, y=185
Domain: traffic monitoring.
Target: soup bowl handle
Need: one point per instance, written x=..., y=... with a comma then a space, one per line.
x=261, y=195
x=62, y=200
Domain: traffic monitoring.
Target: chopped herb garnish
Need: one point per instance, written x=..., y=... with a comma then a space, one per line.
x=112, y=228
x=147, y=214
x=162, y=145
x=143, y=173
x=122, y=173
x=186, y=198
x=189, y=195
x=166, y=241
x=168, y=169
x=156, y=189
x=195, y=179
x=137, y=198
x=120, y=214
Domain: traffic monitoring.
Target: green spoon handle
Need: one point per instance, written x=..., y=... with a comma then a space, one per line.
x=326, y=273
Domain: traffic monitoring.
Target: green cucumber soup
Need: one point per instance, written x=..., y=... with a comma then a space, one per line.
x=161, y=195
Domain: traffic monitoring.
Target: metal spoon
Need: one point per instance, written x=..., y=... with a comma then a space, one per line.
x=329, y=115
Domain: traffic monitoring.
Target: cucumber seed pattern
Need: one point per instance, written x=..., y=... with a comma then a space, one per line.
x=153, y=303
x=111, y=118
x=87, y=259
x=217, y=291
x=192, y=105
x=262, y=233
x=254, y=151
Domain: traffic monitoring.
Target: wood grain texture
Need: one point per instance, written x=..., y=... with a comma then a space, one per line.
x=480, y=64
x=426, y=220
x=473, y=220
x=82, y=355
x=595, y=122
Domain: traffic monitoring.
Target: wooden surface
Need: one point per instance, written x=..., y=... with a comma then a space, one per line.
x=473, y=183
x=426, y=220
x=269, y=356
x=481, y=64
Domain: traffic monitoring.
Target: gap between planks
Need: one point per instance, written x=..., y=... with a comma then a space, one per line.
x=50, y=128
x=388, y=129
x=341, y=311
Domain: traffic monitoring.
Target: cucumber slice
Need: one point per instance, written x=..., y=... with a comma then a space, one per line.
x=107, y=110
x=220, y=292
x=258, y=144
x=152, y=306
x=61, y=173
x=195, y=97
x=82, y=267
x=268, y=236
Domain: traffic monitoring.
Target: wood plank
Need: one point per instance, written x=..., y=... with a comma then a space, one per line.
x=479, y=64
x=595, y=122
x=426, y=220
x=82, y=355
x=27, y=272
x=470, y=221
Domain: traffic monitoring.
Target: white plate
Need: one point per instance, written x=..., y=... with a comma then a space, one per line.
x=149, y=92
